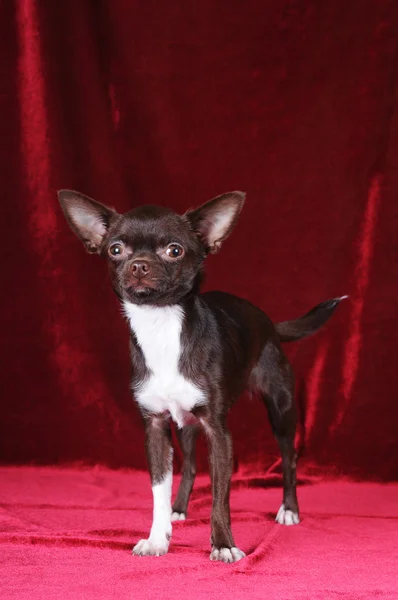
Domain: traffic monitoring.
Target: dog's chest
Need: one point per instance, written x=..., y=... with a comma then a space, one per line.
x=158, y=332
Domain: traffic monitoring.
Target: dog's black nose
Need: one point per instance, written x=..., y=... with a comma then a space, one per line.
x=140, y=268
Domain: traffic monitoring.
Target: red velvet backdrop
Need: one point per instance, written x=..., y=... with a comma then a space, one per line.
x=171, y=103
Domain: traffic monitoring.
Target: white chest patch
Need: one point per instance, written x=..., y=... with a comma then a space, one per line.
x=158, y=332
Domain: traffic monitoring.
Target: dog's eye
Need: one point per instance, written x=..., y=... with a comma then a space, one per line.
x=174, y=250
x=116, y=249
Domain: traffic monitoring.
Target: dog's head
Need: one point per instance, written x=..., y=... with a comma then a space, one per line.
x=155, y=256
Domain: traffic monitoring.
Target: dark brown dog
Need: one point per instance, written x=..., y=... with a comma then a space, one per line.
x=193, y=354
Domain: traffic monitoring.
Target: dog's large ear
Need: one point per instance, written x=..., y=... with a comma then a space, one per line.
x=214, y=221
x=86, y=217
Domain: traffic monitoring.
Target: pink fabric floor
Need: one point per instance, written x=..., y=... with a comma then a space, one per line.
x=68, y=533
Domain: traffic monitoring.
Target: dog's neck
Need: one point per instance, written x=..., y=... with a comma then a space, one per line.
x=157, y=332
x=144, y=318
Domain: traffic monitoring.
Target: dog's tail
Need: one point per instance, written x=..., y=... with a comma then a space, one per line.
x=289, y=331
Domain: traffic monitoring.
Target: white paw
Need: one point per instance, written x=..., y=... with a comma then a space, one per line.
x=176, y=516
x=287, y=517
x=227, y=555
x=151, y=548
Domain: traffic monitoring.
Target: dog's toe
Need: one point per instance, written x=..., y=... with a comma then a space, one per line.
x=287, y=517
x=227, y=555
x=150, y=548
x=177, y=516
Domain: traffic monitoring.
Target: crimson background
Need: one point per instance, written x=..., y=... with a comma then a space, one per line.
x=172, y=103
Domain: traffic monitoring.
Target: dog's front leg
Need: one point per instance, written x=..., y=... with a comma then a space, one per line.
x=160, y=461
x=223, y=546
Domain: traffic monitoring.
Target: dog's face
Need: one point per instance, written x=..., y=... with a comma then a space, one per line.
x=155, y=256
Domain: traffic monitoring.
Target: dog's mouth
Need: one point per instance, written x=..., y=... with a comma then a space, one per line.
x=141, y=289
x=136, y=285
x=147, y=290
x=151, y=292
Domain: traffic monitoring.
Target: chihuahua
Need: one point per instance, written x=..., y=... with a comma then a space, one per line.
x=193, y=354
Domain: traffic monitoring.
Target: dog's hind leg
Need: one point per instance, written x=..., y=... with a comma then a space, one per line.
x=288, y=513
x=273, y=379
x=282, y=415
x=187, y=440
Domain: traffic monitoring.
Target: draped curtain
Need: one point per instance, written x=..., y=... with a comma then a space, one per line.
x=171, y=103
